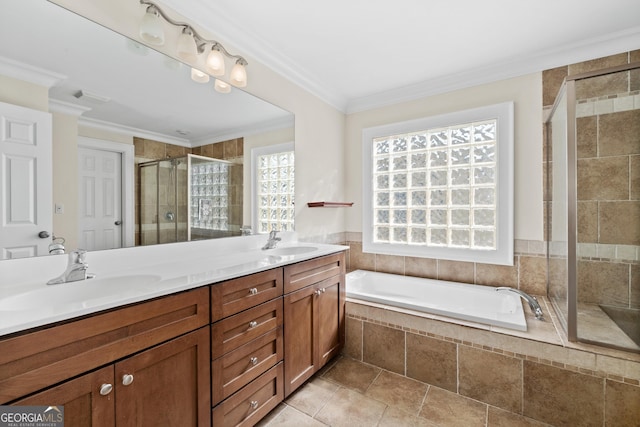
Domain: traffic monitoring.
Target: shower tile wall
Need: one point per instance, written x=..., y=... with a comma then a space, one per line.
x=608, y=174
x=231, y=150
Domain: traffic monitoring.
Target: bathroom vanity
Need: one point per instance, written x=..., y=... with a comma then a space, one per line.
x=223, y=353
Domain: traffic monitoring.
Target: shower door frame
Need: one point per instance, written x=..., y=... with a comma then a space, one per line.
x=569, y=85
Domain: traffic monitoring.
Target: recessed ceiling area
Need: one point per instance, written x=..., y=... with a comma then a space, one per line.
x=360, y=54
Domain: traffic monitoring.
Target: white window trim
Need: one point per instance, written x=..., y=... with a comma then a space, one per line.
x=255, y=153
x=503, y=254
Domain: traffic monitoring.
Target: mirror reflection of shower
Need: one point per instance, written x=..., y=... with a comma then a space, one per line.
x=189, y=198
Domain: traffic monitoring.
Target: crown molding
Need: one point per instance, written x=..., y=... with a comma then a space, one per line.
x=62, y=107
x=622, y=41
x=25, y=72
x=132, y=131
x=281, y=123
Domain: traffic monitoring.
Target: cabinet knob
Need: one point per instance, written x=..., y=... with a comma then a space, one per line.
x=317, y=292
x=254, y=361
x=253, y=324
x=253, y=291
x=323, y=290
x=253, y=404
x=127, y=379
x=105, y=389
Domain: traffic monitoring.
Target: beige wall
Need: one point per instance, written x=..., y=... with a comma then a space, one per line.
x=525, y=91
x=65, y=177
x=29, y=95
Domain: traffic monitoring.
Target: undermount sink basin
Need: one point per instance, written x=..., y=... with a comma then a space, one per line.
x=293, y=250
x=80, y=294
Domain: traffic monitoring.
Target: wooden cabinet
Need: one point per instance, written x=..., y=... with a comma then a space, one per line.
x=84, y=405
x=314, y=317
x=166, y=385
x=246, y=348
x=229, y=352
x=148, y=361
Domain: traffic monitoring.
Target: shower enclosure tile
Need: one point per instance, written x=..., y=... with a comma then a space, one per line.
x=620, y=223
x=603, y=178
x=621, y=404
x=619, y=133
x=603, y=283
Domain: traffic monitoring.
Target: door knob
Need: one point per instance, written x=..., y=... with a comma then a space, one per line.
x=105, y=389
x=43, y=234
x=127, y=379
x=118, y=222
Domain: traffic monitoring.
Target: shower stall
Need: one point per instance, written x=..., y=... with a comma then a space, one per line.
x=593, y=209
x=188, y=198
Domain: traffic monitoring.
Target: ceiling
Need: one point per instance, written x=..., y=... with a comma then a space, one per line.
x=359, y=54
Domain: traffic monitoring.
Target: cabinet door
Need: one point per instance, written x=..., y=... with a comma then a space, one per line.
x=167, y=385
x=84, y=405
x=299, y=337
x=328, y=326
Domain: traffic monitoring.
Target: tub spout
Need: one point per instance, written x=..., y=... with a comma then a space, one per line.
x=533, y=302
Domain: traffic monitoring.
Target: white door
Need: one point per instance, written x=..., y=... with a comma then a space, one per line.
x=100, y=199
x=26, y=217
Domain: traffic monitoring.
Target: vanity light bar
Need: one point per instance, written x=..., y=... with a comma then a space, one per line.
x=191, y=44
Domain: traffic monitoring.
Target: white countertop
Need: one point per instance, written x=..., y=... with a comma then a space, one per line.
x=130, y=275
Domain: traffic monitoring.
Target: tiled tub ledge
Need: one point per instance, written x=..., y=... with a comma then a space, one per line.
x=535, y=373
x=544, y=342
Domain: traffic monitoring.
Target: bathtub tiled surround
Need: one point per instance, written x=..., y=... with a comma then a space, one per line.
x=534, y=374
x=529, y=272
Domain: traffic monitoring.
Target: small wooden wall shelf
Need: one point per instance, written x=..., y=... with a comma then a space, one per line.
x=330, y=204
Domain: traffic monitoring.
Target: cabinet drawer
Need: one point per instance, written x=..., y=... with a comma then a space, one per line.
x=234, y=296
x=253, y=402
x=237, y=368
x=234, y=331
x=306, y=273
x=35, y=360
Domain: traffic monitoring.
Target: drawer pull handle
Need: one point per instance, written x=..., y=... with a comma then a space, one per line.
x=253, y=291
x=254, y=361
x=253, y=324
x=253, y=404
x=105, y=389
x=127, y=379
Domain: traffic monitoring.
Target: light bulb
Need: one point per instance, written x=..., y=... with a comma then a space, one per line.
x=151, y=27
x=199, y=76
x=215, y=62
x=239, y=75
x=187, y=48
x=222, y=87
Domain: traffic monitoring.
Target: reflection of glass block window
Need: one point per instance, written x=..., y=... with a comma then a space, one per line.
x=435, y=186
x=275, y=190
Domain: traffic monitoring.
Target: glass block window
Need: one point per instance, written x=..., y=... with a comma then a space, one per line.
x=435, y=187
x=275, y=191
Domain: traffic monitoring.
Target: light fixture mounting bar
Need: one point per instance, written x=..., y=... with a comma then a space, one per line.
x=201, y=42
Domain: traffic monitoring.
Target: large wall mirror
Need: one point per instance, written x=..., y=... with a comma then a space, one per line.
x=139, y=152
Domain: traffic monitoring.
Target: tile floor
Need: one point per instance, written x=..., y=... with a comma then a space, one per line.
x=351, y=393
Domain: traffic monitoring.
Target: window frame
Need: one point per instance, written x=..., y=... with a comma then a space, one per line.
x=504, y=252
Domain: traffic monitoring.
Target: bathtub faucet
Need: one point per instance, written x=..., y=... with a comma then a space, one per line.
x=533, y=302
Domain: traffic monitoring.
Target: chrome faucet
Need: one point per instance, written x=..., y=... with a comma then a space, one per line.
x=533, y=302
x=273, y=240
x=76, y=269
